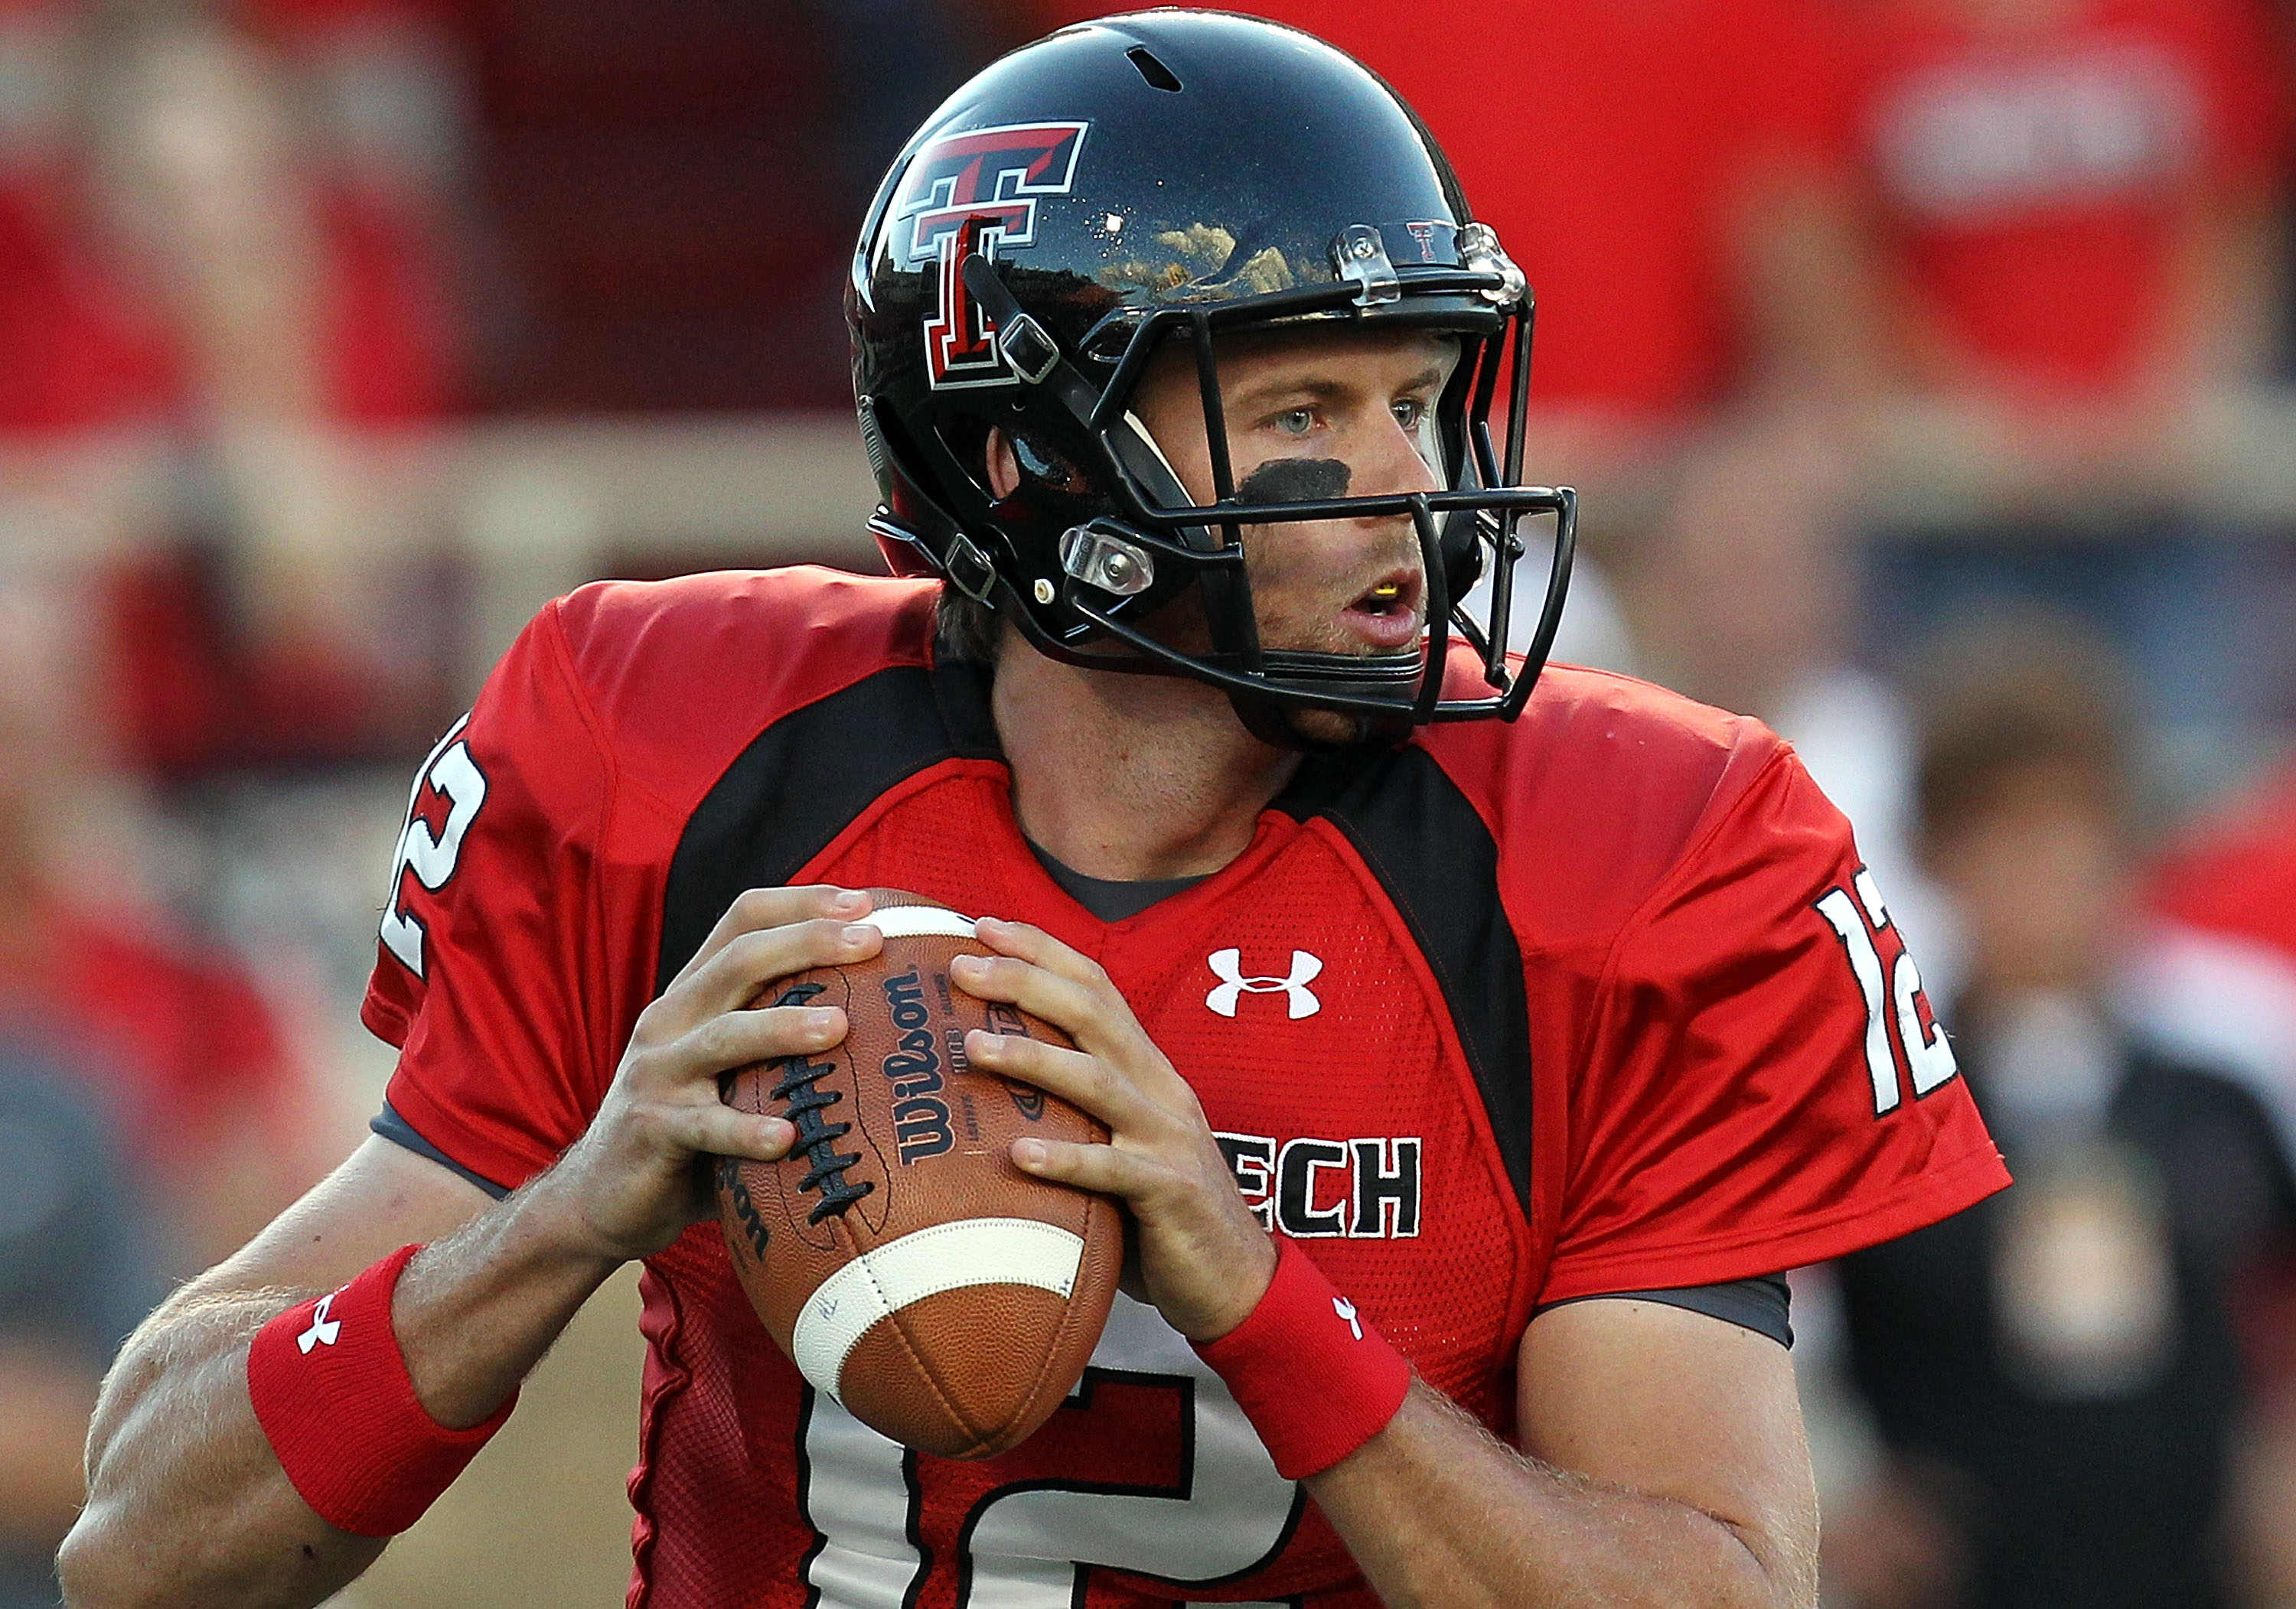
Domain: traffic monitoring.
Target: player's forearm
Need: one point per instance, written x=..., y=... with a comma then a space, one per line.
x=188, y=1503
x=1437, y=1511
x=476, y=1311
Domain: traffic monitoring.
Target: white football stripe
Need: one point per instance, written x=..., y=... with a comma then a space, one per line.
x=946, y=1257
x=915, y=921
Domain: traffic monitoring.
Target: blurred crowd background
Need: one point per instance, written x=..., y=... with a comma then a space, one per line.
x=1928, y=370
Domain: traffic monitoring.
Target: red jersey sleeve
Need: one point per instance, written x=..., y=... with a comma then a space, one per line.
x=493, y=975
x=1763, y=1085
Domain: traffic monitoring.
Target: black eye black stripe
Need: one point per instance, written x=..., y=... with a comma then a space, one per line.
x=1296, y=480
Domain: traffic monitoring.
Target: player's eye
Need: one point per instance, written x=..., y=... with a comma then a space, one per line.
x=1295, y=421
x=1417, y=418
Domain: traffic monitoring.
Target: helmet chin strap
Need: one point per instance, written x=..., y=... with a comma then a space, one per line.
x=1273, y=721
x=1279, y=726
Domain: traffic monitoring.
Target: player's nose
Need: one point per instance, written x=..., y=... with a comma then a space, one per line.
x=1391, y=462
x=1387, y=462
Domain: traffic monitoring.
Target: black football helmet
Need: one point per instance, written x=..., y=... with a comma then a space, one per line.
x=1178, y=175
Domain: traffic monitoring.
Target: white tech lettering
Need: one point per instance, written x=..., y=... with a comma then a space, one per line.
x=1227, y=966
x=1312, y=1188
x=323, y=1329
x=1297, y=1213
x=1385, y=1200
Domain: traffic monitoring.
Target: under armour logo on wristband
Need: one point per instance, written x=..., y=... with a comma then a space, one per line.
x=1347, y=1311
x=1227, y=966
x=323, y=1329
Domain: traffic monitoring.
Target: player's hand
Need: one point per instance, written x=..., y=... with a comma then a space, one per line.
x=1204, y=1258
x=641, y=1173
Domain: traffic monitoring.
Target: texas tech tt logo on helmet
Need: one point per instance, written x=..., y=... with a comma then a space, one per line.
x=977, y=191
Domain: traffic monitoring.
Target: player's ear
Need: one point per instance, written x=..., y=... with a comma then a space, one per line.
x=1003, y=468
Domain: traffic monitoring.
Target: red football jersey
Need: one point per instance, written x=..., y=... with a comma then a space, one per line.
x=1597, y=1002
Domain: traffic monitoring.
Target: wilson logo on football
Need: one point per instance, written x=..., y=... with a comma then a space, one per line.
x=919, y=1114
x=977, y=192
x=1227, y=966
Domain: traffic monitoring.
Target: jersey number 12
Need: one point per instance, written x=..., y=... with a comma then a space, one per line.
x=454, y=777
x=1929, y=1058
x=1031, y=1545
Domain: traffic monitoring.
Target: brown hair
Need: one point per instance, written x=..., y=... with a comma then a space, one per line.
x=2009, y=702
x=965, y=628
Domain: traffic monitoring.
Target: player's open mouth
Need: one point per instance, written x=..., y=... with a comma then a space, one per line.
x=1386, y=614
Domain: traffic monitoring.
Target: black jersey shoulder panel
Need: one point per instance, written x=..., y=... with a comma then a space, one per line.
x=1423, y=840
x=804, y=780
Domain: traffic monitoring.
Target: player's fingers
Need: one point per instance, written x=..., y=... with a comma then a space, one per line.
x=755, y=909
x=1089, y=1083
x=1102, y=1170
x=1066, y=1004
x=1091, y=1013
x=1032, y=945
x=736, y=1039
x=1039, y=948
x=730, y=979
x=720, y=1131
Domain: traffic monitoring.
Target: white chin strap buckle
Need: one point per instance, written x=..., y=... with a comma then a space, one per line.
x=1102, y=559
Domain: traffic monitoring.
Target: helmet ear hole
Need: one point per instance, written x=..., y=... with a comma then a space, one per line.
x=1000, y=467
x=969, y=440
x=1042, y=463
x=1019, y=463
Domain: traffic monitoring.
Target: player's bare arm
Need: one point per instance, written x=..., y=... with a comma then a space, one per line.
x=1663, y=1464
x=188, y=1503
x=1663, y=1458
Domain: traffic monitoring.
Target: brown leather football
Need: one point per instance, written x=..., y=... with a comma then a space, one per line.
x=948, y=1300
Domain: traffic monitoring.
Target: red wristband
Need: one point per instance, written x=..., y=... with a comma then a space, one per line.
x=332, y=1392
x=1316, y=1381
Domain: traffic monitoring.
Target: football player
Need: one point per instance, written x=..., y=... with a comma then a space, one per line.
x=1475, y=1053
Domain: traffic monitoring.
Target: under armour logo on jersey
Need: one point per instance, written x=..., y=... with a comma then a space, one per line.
x=323, y=1329
x=1347, y=1311
x=1227, y=966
